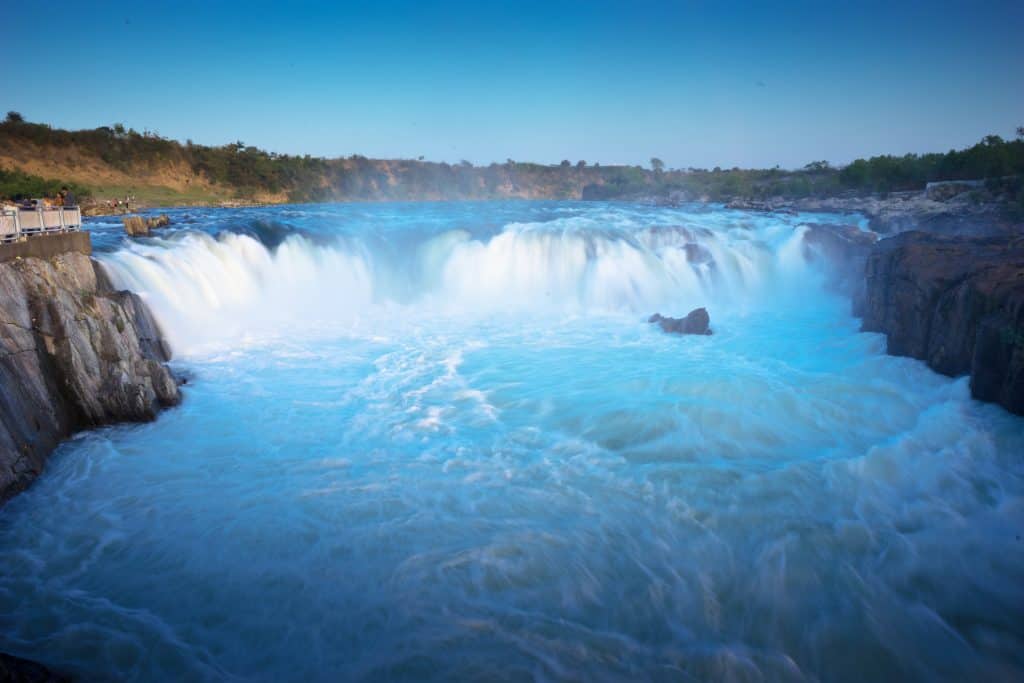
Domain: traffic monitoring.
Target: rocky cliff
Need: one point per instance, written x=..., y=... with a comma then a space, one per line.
x=74, y=354
x=957, y=303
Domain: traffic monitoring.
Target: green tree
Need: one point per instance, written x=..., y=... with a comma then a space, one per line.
x=14, y=117
x=657, y=164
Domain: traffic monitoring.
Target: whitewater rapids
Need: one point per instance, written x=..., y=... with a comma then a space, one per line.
x=440, y=442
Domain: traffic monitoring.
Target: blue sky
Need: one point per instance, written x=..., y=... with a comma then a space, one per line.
x=694, y=83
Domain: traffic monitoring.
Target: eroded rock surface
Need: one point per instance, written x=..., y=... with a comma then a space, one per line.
x=74, y=354
x=955, y=303
x=140, y=226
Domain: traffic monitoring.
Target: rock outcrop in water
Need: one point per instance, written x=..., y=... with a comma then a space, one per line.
x=696, y=321
x=74, y=354
x=138, y=226
x=955, y=303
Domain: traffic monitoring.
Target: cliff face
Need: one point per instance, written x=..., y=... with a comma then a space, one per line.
x=74, y=354
x=956, y=303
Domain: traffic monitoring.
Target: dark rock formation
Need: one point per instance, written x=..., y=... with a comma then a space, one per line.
x=74, y=353
x=695, y=322
x=956, y=303
x=18, y=670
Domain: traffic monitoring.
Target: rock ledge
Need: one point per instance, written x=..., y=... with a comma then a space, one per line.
x=955, y=303
x=74, y=354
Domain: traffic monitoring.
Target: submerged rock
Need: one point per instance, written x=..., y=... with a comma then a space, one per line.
x=955, y=303
x=74, y=353
x=697, y=254
x=696, y=321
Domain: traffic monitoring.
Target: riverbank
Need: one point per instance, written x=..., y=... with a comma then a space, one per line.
x=148, y=203
x=967, y=213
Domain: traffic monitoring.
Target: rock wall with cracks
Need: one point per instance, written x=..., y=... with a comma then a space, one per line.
x=74, y=354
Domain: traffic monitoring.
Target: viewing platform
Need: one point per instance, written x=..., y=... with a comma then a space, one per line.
x=19, y=223
x=42, y=232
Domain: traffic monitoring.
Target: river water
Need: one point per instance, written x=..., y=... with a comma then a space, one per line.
x=440, y=442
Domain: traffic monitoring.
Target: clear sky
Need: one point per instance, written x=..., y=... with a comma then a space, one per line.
x=694, y=83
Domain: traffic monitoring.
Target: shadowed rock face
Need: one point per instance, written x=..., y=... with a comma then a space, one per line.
x=957, y=304
x=73, y=354
x=17, y=670
x=695, y=322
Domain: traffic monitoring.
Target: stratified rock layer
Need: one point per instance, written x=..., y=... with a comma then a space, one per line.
x=955, y=303
x=74, y=353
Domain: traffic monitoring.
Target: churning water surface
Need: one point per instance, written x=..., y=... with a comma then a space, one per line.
x=440, y=442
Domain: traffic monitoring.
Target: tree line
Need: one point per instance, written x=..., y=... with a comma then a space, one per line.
x=246, y=170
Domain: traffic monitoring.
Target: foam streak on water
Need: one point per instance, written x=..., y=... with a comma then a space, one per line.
x=436, y=442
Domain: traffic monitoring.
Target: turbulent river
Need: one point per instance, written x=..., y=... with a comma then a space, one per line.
x=440, y=442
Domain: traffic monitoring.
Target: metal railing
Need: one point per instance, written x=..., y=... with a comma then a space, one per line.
x=16, y=224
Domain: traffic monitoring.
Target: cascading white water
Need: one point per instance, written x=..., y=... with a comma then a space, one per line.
x=205, y=289
x=440, y=442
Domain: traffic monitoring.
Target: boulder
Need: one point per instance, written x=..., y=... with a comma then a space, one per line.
x=956, y=303
x=696, y=321
x=139, y=226
x=135, y=225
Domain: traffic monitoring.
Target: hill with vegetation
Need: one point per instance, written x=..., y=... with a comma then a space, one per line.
x=114, y=161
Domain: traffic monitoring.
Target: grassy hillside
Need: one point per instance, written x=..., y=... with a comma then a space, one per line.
x=112, y=161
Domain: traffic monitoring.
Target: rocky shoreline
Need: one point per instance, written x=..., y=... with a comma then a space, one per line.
x=960, y=215
x=957, y=303
x=74, y=354
x=945, y=285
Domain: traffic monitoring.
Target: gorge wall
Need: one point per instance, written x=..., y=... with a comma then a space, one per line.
x=956, y=303
x=74, y=353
